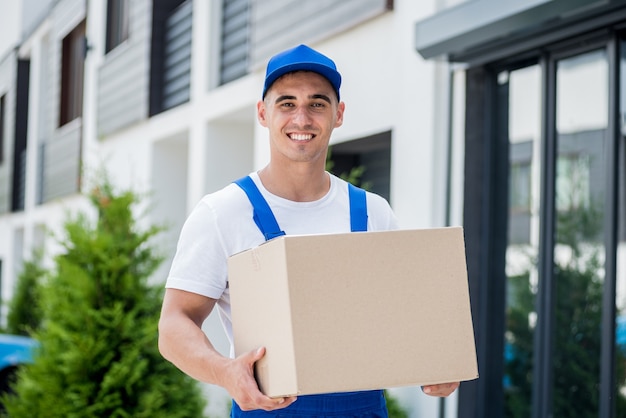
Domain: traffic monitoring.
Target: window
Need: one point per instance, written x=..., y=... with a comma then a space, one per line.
x=117, y=23
x=2, y=111
x=365, y=162
x=542, y=206
x=73, y=61
x=20, y=136
x=235, y=42
x=170, y=70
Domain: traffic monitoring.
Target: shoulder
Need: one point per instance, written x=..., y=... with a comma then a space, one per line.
x=377, y=202
x=379, y=211
x=218, y=212
x=231, y=199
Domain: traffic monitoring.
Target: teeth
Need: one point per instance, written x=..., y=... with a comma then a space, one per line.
x=301, y=137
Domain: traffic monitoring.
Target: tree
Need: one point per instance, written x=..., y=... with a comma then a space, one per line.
x=24, y=316
x=98, y=354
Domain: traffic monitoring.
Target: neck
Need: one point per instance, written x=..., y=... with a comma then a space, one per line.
x=302, y=184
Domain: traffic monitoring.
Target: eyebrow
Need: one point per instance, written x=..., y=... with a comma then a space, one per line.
x=284, y=97
x=313, y=96
x=322, y=97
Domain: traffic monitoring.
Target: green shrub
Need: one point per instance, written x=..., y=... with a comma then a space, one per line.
x=24, y=316
x=98, y=353
x=394, y=408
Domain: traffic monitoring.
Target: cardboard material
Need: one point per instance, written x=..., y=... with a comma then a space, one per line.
x=355, y=311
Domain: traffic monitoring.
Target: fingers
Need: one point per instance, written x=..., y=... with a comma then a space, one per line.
x=266, y=404
x=441, y=390
x=257, y=354
x=245, y=390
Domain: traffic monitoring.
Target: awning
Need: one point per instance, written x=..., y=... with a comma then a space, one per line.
x=456, y=30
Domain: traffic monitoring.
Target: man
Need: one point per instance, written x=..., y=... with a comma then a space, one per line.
x=300, y=107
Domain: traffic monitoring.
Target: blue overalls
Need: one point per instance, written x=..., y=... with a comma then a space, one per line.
x=365, y=404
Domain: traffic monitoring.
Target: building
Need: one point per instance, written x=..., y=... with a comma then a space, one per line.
x=505, y=117
x=544, y=200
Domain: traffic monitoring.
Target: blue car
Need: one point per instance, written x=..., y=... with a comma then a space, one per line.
x=15, y=350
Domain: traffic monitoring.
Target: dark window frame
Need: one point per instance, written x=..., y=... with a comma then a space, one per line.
x=20, y=136
x=72, y=74
x=161, y=10
x=2, y=126
x=117, y=25
x=235, y=42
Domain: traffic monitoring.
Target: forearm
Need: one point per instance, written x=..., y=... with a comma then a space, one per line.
x=183, y=343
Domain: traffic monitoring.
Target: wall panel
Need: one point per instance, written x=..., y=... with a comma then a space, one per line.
x=280, y=24
x=123, y=79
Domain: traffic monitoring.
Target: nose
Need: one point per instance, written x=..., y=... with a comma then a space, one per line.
x=301, y=116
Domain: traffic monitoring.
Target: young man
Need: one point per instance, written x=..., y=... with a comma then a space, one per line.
x=300, y=107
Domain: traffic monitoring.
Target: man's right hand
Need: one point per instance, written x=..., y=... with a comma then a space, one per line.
x=182, y=342
x=243, y=388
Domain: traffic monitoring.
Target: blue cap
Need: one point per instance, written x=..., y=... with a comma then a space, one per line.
x=301, y=58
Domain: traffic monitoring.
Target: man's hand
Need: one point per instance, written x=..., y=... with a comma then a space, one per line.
x=244, y=389
x=182, y=342
x=441, y=390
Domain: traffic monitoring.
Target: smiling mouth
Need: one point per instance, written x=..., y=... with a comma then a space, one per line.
x=301, y=137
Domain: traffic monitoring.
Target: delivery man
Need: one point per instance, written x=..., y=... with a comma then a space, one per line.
x=300, y=107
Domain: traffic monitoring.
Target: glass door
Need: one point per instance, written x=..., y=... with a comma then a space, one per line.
x=524, y=151
x=582, y=100
x=556, y=234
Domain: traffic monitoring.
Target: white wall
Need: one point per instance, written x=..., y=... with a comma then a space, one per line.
x=10, y=22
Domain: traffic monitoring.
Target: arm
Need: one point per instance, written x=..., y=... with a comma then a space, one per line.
x=182, y=342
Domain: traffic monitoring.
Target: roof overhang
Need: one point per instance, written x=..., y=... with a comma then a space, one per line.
x=475, y=23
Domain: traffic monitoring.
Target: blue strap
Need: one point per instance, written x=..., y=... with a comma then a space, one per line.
x=262, y=215
x=265, y=220
x=358, y=208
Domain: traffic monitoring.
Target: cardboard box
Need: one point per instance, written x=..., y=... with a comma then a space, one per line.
x=355, y=311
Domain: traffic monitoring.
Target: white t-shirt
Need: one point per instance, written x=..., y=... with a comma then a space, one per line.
x=221, y=225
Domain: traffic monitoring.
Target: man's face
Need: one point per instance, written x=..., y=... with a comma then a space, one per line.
x=300, y=110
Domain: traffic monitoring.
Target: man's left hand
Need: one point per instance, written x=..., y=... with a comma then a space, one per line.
x=441, y=390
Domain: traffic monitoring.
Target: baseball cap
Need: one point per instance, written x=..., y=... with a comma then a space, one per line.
x=301, y=58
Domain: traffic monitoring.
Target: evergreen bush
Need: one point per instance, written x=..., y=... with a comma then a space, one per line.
x=24, y=312
x=98, y=354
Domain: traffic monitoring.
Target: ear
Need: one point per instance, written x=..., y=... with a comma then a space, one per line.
x=341, y=107
x=260, y=113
